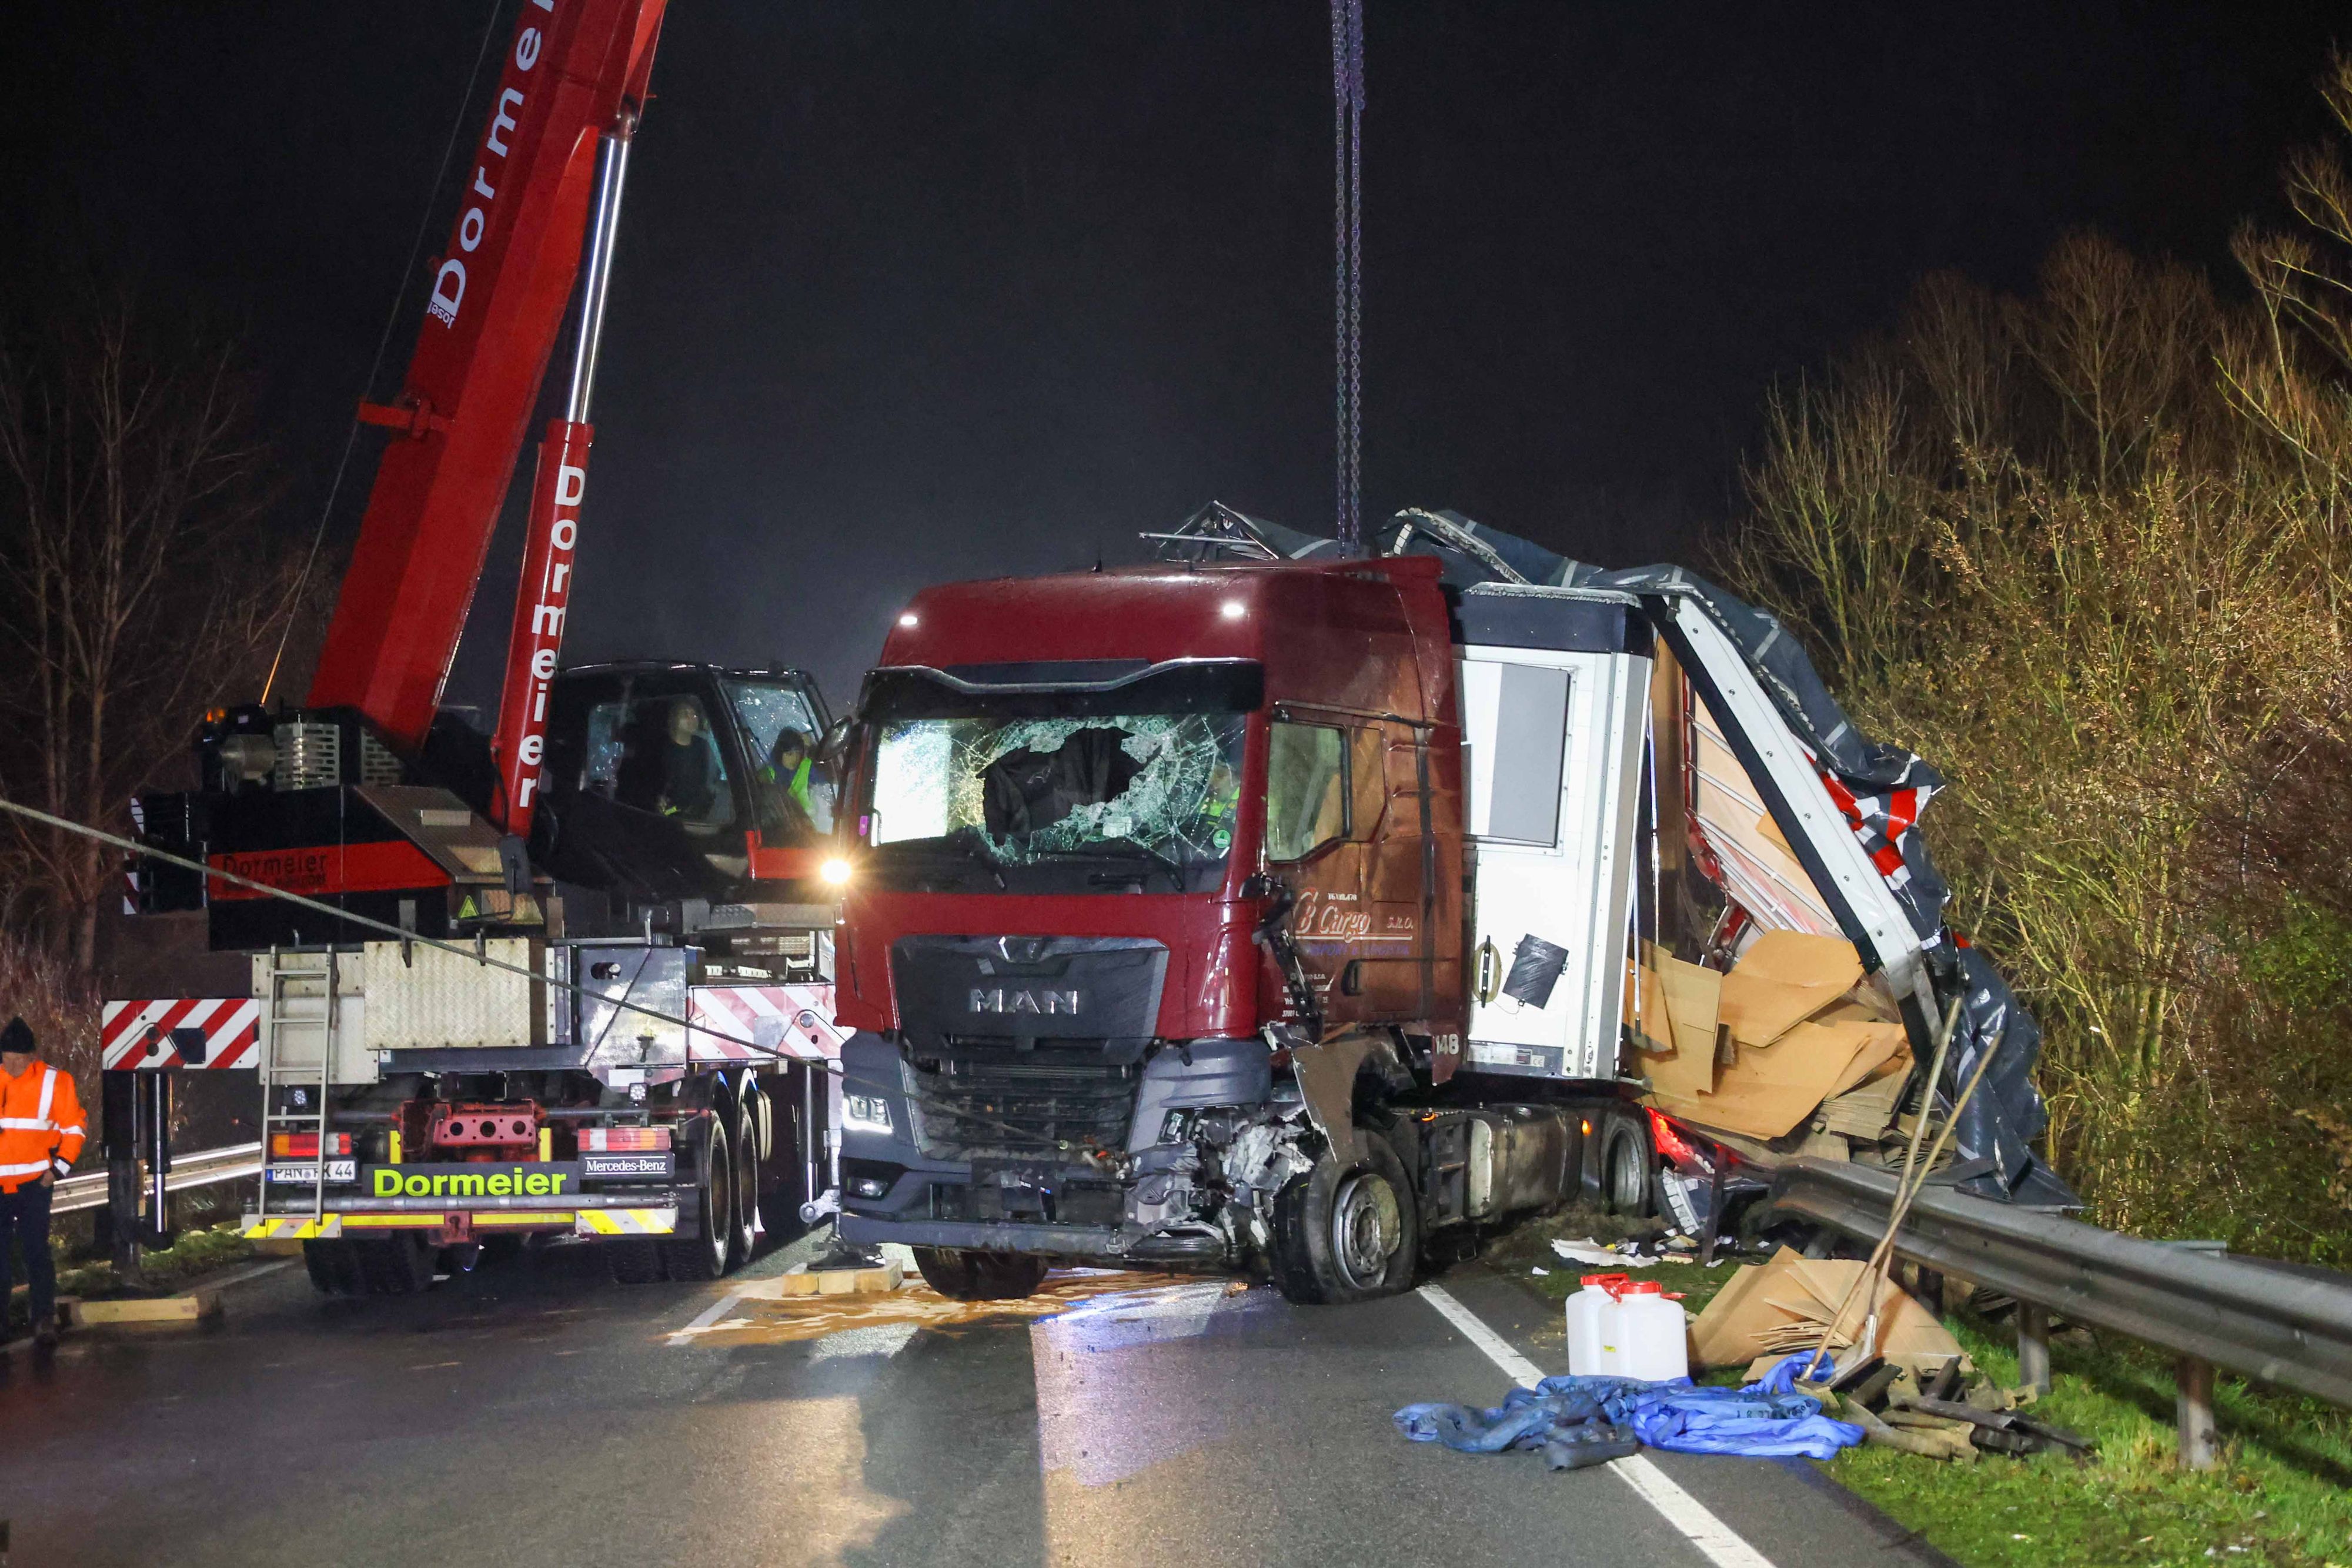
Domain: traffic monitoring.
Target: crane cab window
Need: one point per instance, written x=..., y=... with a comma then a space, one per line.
x=657, y=754
x=1305, y=788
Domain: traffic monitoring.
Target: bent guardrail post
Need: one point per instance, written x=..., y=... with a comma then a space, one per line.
x=2280, y=1323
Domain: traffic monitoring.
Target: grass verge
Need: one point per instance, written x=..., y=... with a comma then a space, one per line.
x=195, y=1254
x=2282, y=1494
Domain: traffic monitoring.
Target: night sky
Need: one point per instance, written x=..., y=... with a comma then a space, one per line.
x=915, y=291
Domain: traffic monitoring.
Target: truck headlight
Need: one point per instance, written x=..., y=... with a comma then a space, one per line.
x=866, y=1113
x=834, y=872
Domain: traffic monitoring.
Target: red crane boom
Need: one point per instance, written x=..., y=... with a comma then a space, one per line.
x=574, y=78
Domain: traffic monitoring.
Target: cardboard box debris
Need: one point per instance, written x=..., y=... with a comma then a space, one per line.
x=1783, y=979
x=1679, y=1000
x=1803, y=1031
x=1867, y=1110
x=1771, y=1308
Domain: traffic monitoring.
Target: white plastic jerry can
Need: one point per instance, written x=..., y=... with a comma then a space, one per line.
x=1622, y=1327
x=1592, y=1325
x=1651, y=1343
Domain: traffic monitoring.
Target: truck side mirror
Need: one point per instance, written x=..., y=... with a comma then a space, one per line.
x=836, y=742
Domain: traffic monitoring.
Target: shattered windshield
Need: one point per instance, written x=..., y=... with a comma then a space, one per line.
x=1005, y=797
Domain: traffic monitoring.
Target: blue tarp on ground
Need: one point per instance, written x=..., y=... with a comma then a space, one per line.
x=1756, y=1421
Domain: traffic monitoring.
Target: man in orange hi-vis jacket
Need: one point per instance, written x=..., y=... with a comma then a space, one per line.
x=41, y=1132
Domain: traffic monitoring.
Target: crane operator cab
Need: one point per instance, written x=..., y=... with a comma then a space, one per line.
x=666, y=786
x=676, y=763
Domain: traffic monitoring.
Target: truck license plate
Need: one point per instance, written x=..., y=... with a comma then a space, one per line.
x=307, y=1174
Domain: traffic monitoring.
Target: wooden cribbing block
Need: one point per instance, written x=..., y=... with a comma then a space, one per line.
x=799, y=1279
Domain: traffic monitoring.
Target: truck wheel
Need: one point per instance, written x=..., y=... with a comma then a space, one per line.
x=744, y=1236
x=1625, y=1170
x=1347, y=1233
x=963, y=1275
x=636, y=1260
x=399, y=1265
x=333, y=1268
x=711, y=1254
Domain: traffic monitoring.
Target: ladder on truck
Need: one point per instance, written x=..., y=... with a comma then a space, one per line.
x=303, y=1009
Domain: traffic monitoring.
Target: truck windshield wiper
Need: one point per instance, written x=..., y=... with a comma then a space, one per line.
x=963, y=845
x=1127, y=850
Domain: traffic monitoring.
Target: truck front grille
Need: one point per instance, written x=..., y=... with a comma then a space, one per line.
x=996, y=1098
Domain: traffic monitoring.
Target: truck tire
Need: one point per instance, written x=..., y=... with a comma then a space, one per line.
x=333, y=1268
x=1625, y=1176
x=709, y=1255
x=745, y=1235
x=968, y=1276
x=1347, y=1233
x=399, y=1265
x=635, y=1259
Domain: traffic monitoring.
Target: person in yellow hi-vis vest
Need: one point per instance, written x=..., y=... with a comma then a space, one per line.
x=41, y=1133
x=796, y=791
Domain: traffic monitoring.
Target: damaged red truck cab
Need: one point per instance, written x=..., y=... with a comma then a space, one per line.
x=1354, y=653
x=1157, y=872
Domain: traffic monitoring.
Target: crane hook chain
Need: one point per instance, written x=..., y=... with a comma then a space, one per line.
x=1347, y=243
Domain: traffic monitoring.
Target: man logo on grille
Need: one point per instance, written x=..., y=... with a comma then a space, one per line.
x=1044, y=1003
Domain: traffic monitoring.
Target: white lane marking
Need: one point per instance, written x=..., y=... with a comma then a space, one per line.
x=724, y=1305
x=1715, y=1539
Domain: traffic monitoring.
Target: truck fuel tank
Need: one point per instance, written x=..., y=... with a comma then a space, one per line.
x=1496, y=1160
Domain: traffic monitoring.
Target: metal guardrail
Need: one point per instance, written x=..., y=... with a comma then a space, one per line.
x=200, y=1169
x=2285, y=1325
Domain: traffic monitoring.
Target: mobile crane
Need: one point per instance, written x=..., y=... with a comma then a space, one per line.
x=660, y=1085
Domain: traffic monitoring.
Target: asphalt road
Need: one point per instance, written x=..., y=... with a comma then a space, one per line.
x=535, y=1414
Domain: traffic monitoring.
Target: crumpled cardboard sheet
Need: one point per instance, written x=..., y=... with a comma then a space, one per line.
x=1782, y=1305
x=1801, y=1033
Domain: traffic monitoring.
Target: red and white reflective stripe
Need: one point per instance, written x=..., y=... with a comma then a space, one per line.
x=138, y=1034
x=795, y=1021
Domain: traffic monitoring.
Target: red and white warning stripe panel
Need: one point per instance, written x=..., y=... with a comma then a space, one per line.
x=182, y=1031
x=790, y=1020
